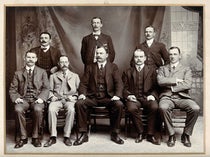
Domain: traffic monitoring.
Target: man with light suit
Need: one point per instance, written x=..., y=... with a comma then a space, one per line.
x=175, y=81
x=63, y=94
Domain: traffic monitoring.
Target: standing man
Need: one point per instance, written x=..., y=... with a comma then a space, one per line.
x=29, y=89
x=94, y=40
x=101, y=85
x=48, y=56
x=63, y=94
x=155, y=51
x=175, y=80
x=140, y=84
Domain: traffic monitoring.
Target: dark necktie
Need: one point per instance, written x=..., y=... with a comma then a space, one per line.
x=101, y=67
x=139, y=68
x=29, y=72
x=64, y=74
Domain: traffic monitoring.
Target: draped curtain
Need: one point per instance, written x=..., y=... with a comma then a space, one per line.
x=69, y=24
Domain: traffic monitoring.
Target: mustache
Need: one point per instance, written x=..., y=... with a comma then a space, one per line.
x=30, y=61
x=64, y=66
x=43, y=42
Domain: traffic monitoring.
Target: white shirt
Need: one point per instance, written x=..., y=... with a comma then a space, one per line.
x=141, y=67
x=174, y=65
x=32, y=68
x=149, y=42
x=99, y=64
x=45, y=48
x=96, y=34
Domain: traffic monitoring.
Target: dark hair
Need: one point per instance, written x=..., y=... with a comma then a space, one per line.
x=30, y=52
x=104, y=47
x=45, y=33
x=151, y=27
x=96, y=17
x=175, y=47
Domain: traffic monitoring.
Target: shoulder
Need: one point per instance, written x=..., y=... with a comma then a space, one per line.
x=87, y=36
x=105, y=36
x=35, y=48
x=159, y=44
x=40, y=70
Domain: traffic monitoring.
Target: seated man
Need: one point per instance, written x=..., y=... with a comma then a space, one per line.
x=140, y=82
x=63, y=94
x=101, y=84
x=175, y=80
x=29, y=89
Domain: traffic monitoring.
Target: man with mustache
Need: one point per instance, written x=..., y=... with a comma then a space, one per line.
x=101, y=84
x=94, y=40
x=175, y=81
x=48, y=55
x=63, y=94
x=156, y=52
x=140, y=91
x=29, y=89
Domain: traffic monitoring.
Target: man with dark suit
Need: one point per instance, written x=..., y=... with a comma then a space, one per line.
x=175, y=81
x=155, y=51
x=48, y=56
x=101, y=85
x=29, y=89
x=94, y=40
x=140, y=82
x=63, y=94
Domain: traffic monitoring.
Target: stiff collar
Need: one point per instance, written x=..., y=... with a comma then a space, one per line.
x=99, y=64
x=32, y=68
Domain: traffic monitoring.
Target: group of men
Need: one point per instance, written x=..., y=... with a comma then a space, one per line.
x=156, y=81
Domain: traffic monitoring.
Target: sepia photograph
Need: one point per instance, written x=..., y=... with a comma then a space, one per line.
x=104, y=80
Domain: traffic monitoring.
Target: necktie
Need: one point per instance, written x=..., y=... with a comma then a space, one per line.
x=139, y=68
x=30, y=72
x=173, y=67
x=64, y=74
x=101, y=67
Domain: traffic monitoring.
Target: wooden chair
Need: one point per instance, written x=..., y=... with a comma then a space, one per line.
x=178, y=118
x=97, y=112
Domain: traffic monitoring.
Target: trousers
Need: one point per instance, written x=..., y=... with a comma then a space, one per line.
x=54, y=107
x=20, y=110
x=115, y=112
x=166, y=105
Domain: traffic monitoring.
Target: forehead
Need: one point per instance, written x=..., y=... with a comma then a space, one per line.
x=31, y=54
x=173, y=51
x=138, y=53
x=64, y=58
x=96, y=20
x=45, y=35
x=149, y=29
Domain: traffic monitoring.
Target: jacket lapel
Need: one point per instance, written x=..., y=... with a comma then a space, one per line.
x=145, y=72
x=133, y=74
x=95, y=72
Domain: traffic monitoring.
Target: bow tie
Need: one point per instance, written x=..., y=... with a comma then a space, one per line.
x=43, y=48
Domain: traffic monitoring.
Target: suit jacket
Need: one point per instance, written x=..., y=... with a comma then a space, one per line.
x=158, y=52
x=56, y=81
x=89, y=44
x=149, y=79
x=88, y=85
x=18, y=85
x=167, y=80
x=54, y=53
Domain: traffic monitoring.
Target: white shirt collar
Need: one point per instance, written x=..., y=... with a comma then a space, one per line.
x=149, y=42
x=174, y=65
x=46, y=48
x=32, y=68
x=99, y=64
x=137, y=66
x=97, y=33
